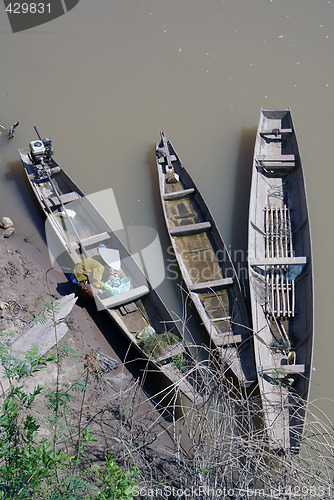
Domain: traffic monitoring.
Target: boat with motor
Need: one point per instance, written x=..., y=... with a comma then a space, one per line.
x=79, y=232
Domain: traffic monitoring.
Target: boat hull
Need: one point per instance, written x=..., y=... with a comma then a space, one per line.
x=75, y=229
x=205, y=264
x=281, y=279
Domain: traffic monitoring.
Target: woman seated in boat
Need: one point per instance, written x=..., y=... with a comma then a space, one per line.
x=91, y=274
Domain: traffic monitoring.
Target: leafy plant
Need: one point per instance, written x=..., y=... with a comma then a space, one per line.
x=281, y=345
x=48, y=312
x=116, y=484
x=155, y=345
x=179, y=362
x=38, y=468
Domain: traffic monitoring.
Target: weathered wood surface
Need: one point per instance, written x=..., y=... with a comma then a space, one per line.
x=277, y=261
x=123, y=298
x=42, y=335
x=205, y=264
x=207, y=285
x=79, y=237
x=282, y=304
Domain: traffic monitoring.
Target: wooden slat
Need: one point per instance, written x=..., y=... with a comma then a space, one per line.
x=281, y=231
x=210, y=284
x=293, y=298
x=163, y=158
x=117, y=300
x=172, y=351
x=91, y=240
x=283, y=294
x=276, y=166
x=276, y=131
x=225, y=318
x=276, y=158
x=284, y=370
x=227, y=339
x=272, y=295
x=278, y=261
x=278, y=298
x=200, y=227
x=288, y=296
x=65, y=198
x=174, y=195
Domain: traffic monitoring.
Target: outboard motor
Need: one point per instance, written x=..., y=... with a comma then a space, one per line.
x=41, y=150
x=37, y=151
x=48, y=147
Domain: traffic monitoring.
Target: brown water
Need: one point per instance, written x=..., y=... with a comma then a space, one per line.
x=105, y=78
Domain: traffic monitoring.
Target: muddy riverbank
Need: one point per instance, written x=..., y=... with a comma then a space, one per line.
x=117, y=407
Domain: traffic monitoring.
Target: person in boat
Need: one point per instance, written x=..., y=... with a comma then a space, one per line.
x=90, y=274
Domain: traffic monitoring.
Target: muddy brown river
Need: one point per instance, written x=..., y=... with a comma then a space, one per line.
x=103, y=79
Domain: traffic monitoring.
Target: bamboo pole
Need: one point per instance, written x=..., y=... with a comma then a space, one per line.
x=283, y=293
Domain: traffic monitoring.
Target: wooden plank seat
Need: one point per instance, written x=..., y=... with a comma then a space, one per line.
x=284, y=370
x=175, y=349
x=287, y=166
x=276, y=131
x=65, y=198
x=162, y=159
x=276, y=158
x=174, y=195
x=225, y=318
x=227, y=340
x=207, y=285
x=91, y=240
x=284, y=162
x=278, y=261
x=198, y=227
x=123, y=298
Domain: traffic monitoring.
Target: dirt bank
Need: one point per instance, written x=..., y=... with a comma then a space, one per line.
x=116, y=406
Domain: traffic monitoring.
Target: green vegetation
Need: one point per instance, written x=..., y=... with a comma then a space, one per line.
x=47, y=441
x=155, y=345
x=281, y=345
x=33, y=466
x=179, y=362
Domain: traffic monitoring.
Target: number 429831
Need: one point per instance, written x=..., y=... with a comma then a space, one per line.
x=29, y=8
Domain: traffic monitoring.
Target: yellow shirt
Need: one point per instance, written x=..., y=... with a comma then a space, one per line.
x=91, y=270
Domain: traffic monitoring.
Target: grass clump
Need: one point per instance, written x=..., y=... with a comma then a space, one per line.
x=156, y=344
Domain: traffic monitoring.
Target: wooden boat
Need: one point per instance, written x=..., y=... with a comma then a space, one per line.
x=205, y=265
x=78, y=228
x=280, y=275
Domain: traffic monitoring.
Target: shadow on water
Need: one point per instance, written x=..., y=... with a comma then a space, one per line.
x=152, y=383
x=241, y=207
x=158, y=214
x=28, y=200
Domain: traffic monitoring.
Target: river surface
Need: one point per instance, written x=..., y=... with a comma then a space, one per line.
x=105, y=78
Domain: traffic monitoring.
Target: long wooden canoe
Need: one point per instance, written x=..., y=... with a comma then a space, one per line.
x=78, y=229
x=205, y=265
x=280, y=275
